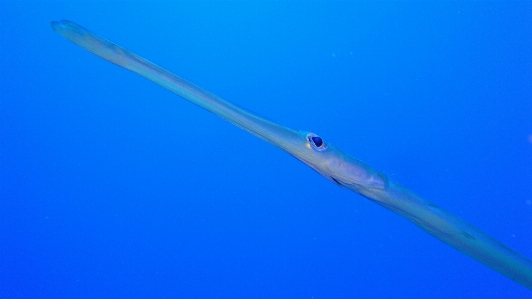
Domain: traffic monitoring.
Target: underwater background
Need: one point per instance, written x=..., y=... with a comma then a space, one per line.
x=112, y=187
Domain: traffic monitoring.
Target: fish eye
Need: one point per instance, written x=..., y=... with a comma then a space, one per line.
x=316, y=142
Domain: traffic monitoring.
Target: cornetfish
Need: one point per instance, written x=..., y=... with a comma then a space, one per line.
x=329, y=161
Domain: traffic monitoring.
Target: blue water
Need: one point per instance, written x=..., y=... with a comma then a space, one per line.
x=112, y=187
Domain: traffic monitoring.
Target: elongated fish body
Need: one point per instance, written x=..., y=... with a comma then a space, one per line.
x=324, y=158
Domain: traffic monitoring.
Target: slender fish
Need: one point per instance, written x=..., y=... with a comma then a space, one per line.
x=324, y=158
